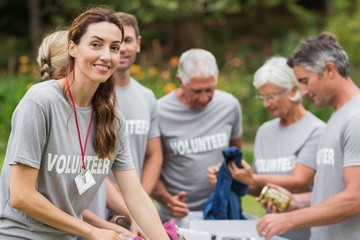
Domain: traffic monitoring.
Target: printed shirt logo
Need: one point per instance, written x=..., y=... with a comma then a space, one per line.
x=137, y=127
x=268, y=165
x=199, y=144
x=72, y=164
x=325, y=156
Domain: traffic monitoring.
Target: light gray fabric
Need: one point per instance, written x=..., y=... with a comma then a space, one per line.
x=98, y=204
x=193, y=140
x=44, y=137
x=137, y=105
x=339, y=148
x=277, y=149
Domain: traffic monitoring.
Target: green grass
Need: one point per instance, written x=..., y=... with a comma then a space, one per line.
x=251, y=206
x=248, y=202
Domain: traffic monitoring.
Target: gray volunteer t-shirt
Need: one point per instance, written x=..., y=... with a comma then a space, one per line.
x=277, y=149
x=339, y=148
x=137, y=104
x=44, y=136
x=193, y=140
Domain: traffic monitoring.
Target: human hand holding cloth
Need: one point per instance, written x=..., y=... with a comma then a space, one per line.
x=223, y=203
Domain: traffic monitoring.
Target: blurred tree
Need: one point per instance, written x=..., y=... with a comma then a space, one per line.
x=242, y=34
x=169, y=26
x=13, y=33
x=34, y=20
x=344, y=23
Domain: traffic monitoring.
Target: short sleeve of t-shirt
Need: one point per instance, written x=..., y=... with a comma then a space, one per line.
x=123, y=159
x=28, y=135
x=307, y=154
x=351, y=139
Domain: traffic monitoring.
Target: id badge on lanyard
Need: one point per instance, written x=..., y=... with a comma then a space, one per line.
x=84, y=180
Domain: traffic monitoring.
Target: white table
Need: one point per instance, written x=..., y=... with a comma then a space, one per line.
x=229, y=229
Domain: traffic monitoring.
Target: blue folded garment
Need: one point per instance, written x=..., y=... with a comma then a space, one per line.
x=225, y=201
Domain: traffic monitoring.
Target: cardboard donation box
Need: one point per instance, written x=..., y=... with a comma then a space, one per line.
x=228, y=230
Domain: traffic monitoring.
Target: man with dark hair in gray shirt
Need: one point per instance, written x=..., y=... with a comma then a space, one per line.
x=321, y=65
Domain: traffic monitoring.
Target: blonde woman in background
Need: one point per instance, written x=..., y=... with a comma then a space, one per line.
x=53, y=54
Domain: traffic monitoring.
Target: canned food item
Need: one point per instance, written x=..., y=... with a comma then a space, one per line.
x=281, y=200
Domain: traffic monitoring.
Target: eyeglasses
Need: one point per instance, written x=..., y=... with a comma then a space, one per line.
x=270, y=97
x=207, y=91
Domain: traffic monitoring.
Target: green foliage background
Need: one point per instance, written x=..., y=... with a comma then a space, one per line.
x=241, y=34
x=246, y=31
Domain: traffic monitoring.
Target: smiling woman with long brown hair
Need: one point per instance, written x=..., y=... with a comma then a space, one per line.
x=66, y=137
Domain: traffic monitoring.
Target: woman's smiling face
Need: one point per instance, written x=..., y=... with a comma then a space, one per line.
x=98, y=52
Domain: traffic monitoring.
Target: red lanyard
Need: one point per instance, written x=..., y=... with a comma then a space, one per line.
x=83, y=149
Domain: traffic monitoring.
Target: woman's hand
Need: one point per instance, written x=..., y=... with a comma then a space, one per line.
x=271, y=207
x=134, y=228
x=104, y=234
x=244, y=174
x=212, y=174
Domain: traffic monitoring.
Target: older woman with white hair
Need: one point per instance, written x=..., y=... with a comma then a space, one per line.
x=287, y=144
x=285, y=147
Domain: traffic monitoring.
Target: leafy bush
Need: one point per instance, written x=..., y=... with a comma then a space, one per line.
x=12, y=88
